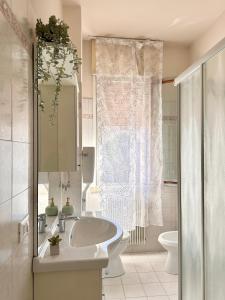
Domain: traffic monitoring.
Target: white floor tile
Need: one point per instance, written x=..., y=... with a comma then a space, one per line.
x=171, y=288
x=165, y=277
x=158, y=298
x=157, y=257
x=145, y=279
x=143, y=267
x=148, y=277
x=112, y=281
x=164, y=254
x=158, y=266
x=141, y=257
x=130, y=278
x=127, y=258
x=113, y=298
x=134, y=290
x=114, y=292
x=139, y=298
x=129, y=267
x=154, y=289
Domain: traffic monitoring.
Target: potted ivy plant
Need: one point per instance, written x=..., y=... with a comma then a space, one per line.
x=54, y=244
x=55, y=51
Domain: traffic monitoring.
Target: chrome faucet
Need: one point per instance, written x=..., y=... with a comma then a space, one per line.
x=62, y=221
x=42, y=223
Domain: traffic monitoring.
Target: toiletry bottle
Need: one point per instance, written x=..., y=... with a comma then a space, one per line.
x=68, y=208
x=52, y=209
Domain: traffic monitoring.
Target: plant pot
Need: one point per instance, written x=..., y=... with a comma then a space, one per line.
x=54, y=250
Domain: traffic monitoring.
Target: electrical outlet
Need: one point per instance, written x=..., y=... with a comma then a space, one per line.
x=23, y=229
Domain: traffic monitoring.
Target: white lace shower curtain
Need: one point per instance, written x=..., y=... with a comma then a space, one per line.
x=129, y=130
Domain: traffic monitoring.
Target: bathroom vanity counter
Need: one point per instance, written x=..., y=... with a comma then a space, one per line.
x=84, y=252
x=85, y=244
x=71, y=258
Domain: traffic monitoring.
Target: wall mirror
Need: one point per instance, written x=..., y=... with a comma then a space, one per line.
x=58, y=138
x=169, y=110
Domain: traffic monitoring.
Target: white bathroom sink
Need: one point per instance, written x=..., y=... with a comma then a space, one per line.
x=86, y=243
x=92, y=231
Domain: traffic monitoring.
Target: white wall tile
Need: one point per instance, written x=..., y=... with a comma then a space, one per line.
x=20, y=210
x=5, y=170
x=170, y=221
x=20, y=167
x=5, y=79
x=6, y=232
x=15, y=158
x=20, y=94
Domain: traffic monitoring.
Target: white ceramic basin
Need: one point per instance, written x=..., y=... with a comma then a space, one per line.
x=93, y=231
x=86, y=243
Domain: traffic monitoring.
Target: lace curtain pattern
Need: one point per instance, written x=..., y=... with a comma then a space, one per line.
x=129, y=130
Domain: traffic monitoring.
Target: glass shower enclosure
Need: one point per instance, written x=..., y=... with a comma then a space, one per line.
x=202, y=178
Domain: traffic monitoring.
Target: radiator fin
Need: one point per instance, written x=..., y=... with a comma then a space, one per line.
x=138, y=236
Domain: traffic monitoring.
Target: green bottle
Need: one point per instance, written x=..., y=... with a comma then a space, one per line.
x=67, y=209
x=52, y=209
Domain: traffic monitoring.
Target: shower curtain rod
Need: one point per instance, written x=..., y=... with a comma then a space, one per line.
x=124, y=38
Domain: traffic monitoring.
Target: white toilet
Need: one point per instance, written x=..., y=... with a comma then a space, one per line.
x=115, y=265
x=169, y=241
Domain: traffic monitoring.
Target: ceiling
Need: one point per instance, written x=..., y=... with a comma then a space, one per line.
x=179, y=21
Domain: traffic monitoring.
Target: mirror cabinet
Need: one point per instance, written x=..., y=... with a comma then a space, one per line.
x=57, y=131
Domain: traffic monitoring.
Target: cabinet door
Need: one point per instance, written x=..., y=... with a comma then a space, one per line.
x=57, y=140
x=191, y=187
x=214, y=179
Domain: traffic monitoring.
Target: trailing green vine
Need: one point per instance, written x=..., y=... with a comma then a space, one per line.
x=54, y=50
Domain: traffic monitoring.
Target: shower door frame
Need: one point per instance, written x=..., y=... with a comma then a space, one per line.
x=201, y=63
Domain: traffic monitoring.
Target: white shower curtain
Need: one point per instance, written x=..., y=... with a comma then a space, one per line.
x=129, y=130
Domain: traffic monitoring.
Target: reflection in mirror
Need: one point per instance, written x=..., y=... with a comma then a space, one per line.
x=169, y=108
x=57, y=140
x=59, y=144
x=57, y=128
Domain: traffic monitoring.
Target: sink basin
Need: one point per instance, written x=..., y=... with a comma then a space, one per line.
x=93, y=231
x=88, y=243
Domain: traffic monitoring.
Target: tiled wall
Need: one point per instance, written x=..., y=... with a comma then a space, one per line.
x=170, y=220
x=16, y=149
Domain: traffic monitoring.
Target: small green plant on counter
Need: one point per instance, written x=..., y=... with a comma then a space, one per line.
x=54, y=240
x=54, y=49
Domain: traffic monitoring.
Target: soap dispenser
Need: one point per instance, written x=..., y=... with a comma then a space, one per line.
x=52, y=209
x=68, y=208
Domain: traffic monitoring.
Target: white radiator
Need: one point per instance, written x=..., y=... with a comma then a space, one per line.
x=137, y=236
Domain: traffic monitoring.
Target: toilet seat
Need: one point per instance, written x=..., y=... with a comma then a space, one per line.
x=169, y=238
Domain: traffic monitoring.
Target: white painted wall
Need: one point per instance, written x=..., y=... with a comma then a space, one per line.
x=72, y=17
x=41, y=9
x=87, y=78
x=209, y=39
x=175, y=59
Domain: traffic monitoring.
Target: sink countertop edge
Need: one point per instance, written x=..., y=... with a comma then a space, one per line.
x=60, y=263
